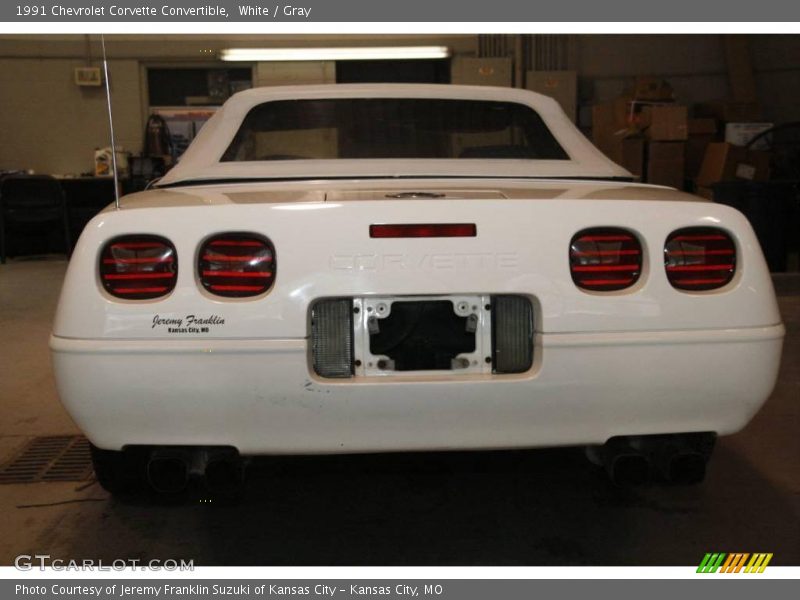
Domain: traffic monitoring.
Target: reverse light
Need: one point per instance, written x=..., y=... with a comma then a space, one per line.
x=605, y=259
x=236, y=265
x=512, y=334
x=699, y=258
x=332, y=337
x=138, y=267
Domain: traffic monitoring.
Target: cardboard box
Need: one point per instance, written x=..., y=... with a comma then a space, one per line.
x=627, y=151
x=726, y=162
x=667, y=123
x=658, y=121
x=652, y=89
x=702, y=132
x=616, y=140
x=560, y=85
x=740, y=134
x=630, y=155
x=695, y=151
x=706, y=126
x=614, y=113
x=665, y=163
x=729, y=111
x=468, y=70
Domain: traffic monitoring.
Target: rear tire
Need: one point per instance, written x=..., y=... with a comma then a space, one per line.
x=118, y=472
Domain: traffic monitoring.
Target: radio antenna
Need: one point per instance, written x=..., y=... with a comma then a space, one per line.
x=110, y=123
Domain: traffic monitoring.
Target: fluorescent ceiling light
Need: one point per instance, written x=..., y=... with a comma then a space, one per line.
x=365, y=53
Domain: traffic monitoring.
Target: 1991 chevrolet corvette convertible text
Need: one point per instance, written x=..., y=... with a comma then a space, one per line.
x=380, y=268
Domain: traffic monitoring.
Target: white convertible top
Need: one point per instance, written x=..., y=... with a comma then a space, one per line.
x=202, y=160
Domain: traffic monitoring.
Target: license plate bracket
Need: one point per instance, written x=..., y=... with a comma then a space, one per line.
x=420, y=335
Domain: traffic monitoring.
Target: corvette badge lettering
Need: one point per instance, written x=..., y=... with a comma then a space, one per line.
x=508, y=261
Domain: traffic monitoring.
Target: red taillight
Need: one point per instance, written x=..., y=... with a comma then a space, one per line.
x=423, y=230
x=699, y=258
x=138, y=267
x=237, y=265
x=605, y=259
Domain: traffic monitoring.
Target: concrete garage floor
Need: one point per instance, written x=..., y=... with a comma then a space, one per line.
x=505, y=508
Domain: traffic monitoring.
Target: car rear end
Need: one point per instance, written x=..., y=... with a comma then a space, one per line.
x=363, y=323
x=388, y=268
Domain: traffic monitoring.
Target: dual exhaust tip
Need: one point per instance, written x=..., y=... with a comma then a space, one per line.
x=675, y=458
x=678, y=459
x=170, y=471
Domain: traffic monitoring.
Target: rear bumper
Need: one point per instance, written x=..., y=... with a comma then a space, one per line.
x=260, y=396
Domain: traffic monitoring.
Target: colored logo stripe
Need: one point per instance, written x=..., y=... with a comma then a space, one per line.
x=711, y=562
x=734, y=562
x=758, y=563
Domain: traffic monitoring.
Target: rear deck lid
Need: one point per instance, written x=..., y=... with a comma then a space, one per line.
x=415, y=193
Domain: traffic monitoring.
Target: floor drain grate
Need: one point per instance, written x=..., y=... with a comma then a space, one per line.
x=51, y=458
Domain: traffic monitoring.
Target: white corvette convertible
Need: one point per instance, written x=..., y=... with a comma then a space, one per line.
x=378, y=268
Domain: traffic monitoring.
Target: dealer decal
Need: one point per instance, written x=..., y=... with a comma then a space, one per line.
x=187, y=324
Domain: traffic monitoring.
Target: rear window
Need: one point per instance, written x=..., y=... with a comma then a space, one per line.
x=361, y=128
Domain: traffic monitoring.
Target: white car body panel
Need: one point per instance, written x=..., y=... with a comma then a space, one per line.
x=649, y=359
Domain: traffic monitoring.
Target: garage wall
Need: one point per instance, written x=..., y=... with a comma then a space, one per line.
x=776, y=59
x=693, y=64
x=51, y=125
x=294, y=73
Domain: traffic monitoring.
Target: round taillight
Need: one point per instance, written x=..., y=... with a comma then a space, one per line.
x=699, y=258
x=138, y=267
x=236, y=265
x=605, y=259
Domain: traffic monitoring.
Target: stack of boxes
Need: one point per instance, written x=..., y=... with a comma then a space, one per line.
x=702, y=132
x=666, y=130
x=726, y=156
x=645, y=131
x=724, y=161
x=652, y=136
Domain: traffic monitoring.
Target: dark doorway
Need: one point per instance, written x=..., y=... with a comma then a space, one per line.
x=393, y=71
x=208, y=86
